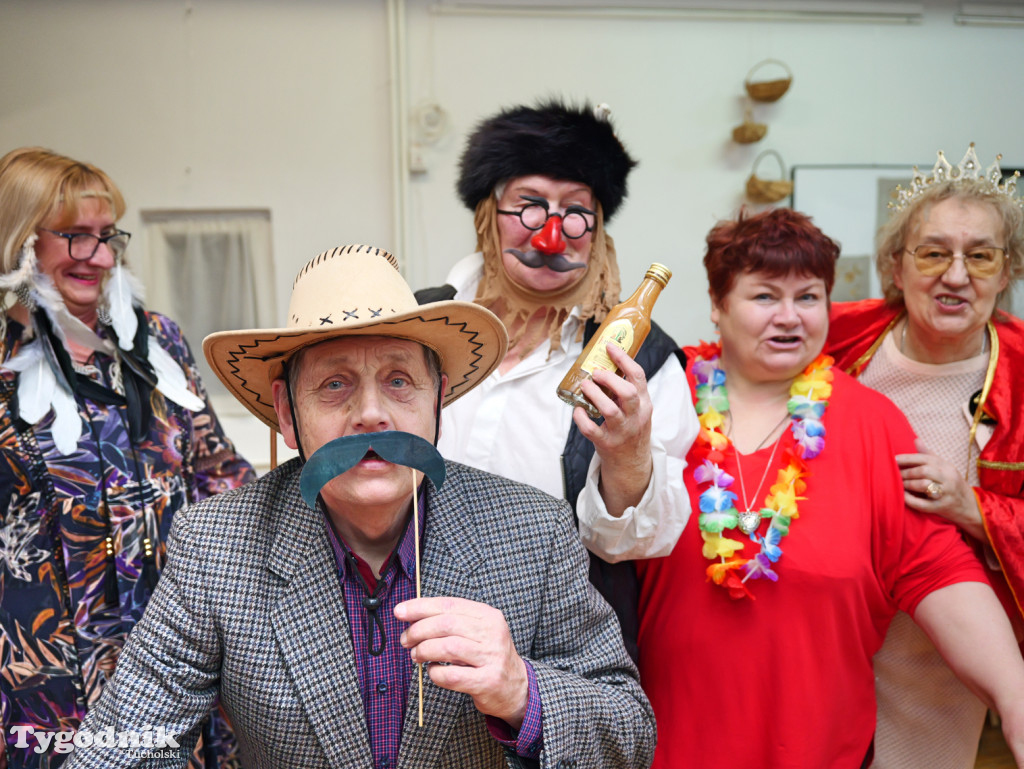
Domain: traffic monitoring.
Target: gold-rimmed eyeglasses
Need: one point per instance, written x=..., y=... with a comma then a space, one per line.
x=981, y=262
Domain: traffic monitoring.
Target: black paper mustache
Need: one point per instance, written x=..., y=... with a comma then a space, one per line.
x=556, y=262
x=342, y=454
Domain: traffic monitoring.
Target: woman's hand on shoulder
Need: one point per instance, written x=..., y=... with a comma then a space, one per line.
x=933, y=485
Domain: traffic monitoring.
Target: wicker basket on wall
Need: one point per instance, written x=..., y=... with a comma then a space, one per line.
x=748, y=131
x=768, y=190
x=768, y=90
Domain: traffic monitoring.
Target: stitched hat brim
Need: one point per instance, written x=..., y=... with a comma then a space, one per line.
x=469, y=339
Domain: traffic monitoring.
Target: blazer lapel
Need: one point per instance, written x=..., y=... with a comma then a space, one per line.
x=450, y=555
x=312, y=633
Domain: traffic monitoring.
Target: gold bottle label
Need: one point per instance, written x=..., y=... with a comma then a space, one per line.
x=618, y=333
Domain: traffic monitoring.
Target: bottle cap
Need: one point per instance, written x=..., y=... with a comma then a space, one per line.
x=660, y=273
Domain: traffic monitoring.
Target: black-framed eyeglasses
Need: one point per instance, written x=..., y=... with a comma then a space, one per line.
x=577, y=221
x=82, y=246
x=982, y=262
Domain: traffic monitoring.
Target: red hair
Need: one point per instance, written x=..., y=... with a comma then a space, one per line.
x=777, y=242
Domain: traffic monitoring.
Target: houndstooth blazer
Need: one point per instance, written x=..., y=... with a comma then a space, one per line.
x=249, y=607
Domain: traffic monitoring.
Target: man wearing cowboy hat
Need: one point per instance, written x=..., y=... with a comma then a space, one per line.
x=542, y=182
x=301, y=616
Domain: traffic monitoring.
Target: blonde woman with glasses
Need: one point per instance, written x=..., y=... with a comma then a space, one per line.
x=105, y=434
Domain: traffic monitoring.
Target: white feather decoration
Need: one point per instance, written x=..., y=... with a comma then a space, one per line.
x=36, y=383
x=67, y=424
x=65, y=325
x=39, y=392
x=120, y=295
x=26, y=267
x=45, y=294
x=170, y=379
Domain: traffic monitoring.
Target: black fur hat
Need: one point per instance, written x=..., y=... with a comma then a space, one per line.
x=552, y=139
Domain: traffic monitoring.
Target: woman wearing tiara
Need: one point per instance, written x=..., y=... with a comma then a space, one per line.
x=758, y=631
x=105, y=432
x=941, y=351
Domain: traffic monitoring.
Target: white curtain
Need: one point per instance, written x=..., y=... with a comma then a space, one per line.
x=210, y=271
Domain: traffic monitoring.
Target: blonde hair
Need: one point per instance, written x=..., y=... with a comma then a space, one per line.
x=36, y=186
x=893, y=236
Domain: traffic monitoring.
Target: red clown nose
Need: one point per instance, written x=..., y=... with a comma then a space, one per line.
x=549, y=240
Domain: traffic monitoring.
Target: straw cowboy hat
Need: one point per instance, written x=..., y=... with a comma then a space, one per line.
x=356, y=291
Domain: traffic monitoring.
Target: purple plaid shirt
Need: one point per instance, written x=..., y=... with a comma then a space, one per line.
x=384, y=678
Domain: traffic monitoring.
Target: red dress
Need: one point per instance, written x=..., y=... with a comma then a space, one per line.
x=786, y=680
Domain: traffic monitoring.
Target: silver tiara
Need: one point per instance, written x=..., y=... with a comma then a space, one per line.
x=968, y=168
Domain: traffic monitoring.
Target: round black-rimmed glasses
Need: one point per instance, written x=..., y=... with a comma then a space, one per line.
x=576, y=220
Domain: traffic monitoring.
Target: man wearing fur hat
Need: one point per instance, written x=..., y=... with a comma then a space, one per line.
x=295, y=600
x=543, y=181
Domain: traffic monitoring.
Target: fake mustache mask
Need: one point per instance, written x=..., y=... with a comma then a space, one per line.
x=342, y=454
x=556, y=262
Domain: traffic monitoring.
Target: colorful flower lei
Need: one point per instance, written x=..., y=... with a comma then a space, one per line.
x=808, y=397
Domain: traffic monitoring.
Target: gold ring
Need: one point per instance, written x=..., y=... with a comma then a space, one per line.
x=933, y=490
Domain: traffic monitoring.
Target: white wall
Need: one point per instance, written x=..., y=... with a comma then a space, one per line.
x=862, y=93
x=225, y=104
x=286, y=106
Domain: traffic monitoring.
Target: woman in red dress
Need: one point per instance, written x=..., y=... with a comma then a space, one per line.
x=757, y=632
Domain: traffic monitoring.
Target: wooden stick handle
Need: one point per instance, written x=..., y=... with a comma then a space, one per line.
x=416, y=539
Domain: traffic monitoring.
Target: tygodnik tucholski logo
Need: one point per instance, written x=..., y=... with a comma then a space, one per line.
x=149, y=743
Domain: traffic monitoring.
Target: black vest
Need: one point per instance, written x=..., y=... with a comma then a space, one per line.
x=617, y=582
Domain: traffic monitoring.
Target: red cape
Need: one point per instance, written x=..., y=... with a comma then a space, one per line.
x=857, y=328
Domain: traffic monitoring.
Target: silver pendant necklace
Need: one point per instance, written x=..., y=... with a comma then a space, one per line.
x=751, y=519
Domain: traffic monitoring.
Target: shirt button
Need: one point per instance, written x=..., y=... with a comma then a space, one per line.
x=382, y=687
x=385, y=762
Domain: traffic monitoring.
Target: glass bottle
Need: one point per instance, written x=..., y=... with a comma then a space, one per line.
x=626, y=326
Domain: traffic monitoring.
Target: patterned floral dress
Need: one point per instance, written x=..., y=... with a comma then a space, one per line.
x=66, y=603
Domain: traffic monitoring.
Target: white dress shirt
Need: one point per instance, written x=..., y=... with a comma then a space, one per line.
x=513, y=424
